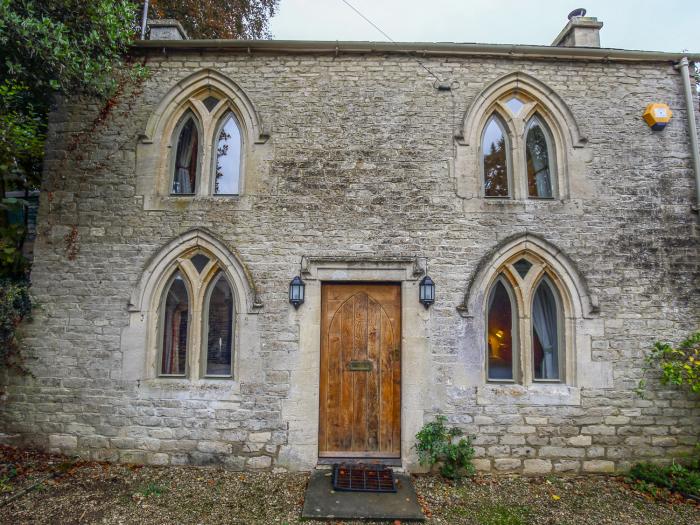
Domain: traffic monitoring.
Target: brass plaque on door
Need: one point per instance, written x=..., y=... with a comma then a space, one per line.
x=360, y=366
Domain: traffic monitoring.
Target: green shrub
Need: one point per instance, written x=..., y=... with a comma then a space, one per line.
x=673, y=477
x=436, y=444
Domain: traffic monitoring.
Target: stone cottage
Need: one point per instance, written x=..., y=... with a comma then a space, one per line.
x=271, y=255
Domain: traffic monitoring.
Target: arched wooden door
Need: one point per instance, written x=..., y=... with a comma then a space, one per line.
x=360, y=389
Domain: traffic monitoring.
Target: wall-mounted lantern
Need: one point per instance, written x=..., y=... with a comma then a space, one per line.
x=296, y=291
x=426, y=291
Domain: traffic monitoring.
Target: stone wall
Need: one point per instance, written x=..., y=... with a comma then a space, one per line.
x=361, y=161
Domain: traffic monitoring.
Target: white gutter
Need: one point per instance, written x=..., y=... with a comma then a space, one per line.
x=692, y=129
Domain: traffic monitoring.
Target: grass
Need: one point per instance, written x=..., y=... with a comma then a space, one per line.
x=502, y=515
x=153, y=489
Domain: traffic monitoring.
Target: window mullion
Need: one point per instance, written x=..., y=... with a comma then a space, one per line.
x=197, y=331
x=205, y=188
x=525, y=346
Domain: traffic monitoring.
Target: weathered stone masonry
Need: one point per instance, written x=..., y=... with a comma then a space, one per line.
x=362, y=162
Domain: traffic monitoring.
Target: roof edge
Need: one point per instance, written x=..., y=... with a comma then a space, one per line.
x=415, y=48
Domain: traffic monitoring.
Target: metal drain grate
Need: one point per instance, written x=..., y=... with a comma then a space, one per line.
x=363, y=478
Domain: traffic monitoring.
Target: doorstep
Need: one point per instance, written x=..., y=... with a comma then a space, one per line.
x=322, y=502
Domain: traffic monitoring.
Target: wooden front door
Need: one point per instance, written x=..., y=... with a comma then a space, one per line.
x=360, y=390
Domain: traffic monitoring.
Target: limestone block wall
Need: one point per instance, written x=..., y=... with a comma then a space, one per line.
x=359, y=160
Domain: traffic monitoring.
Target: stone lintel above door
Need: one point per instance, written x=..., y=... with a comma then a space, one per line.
x=363, y=268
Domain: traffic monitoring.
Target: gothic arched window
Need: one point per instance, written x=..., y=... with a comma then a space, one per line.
x=525, y=299
x=218, y=324
x=518, y=151
x=197, y=315
x=538, y=155
x=501, y=334
x=227, y=155
x=495, y=158
x=175, y=327
x=186, y=162
x=546, y=331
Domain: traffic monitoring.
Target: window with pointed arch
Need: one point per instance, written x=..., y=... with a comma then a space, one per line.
x=198, y=169
x=525, y=324
x=197, y=320
x=517, y=150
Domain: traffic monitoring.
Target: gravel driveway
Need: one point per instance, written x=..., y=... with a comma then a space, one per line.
x=91, y=492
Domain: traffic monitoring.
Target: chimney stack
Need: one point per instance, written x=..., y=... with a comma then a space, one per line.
x=580, y=31
x=166, y=29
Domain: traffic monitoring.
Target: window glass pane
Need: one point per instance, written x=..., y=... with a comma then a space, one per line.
x=500, y=333
x=537, y=152
x=210, y=102
x=228, y=157
x=175, y=326
x=523, y=266
x=514, y=104
x=199, y=261
x=185, y=177
x=545, y=332
x=495, y=160
x=220, y=329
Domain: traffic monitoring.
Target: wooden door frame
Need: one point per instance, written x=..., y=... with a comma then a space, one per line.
x=345, y=455
x=300, y=410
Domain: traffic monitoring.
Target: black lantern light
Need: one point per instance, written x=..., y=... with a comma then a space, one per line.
x=426, y=291
x=296, y=291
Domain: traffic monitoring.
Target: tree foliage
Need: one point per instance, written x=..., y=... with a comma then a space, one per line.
x=219, y=18
x=53, y=46
x=64, y=45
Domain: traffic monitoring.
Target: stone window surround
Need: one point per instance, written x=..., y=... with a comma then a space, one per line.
x=569, y=153
x=139, y=340
x=581, y=324
x=301, y=409
x=155, y=147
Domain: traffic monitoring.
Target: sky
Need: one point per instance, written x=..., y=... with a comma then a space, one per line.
x=668, y=25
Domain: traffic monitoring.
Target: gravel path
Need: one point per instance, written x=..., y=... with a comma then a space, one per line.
x=117, y=494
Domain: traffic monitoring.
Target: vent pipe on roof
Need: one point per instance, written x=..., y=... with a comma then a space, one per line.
x=580, y=31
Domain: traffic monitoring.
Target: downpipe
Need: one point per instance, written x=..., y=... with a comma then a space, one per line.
x=682, y=66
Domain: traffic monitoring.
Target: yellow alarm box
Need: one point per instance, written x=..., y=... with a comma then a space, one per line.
x=657, y=115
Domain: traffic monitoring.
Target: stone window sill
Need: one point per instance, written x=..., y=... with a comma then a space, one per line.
x=214, y=388
x=195, y=202
x=548, y=394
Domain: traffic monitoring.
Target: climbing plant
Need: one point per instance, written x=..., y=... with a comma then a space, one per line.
x=679, y=366
x=49, y=48
x=15, y=305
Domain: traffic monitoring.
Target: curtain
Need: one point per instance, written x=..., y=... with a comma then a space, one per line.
x=167, y=364
x=185, y=160
x=544, y=321
x=175, y=327
x=538, y=155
